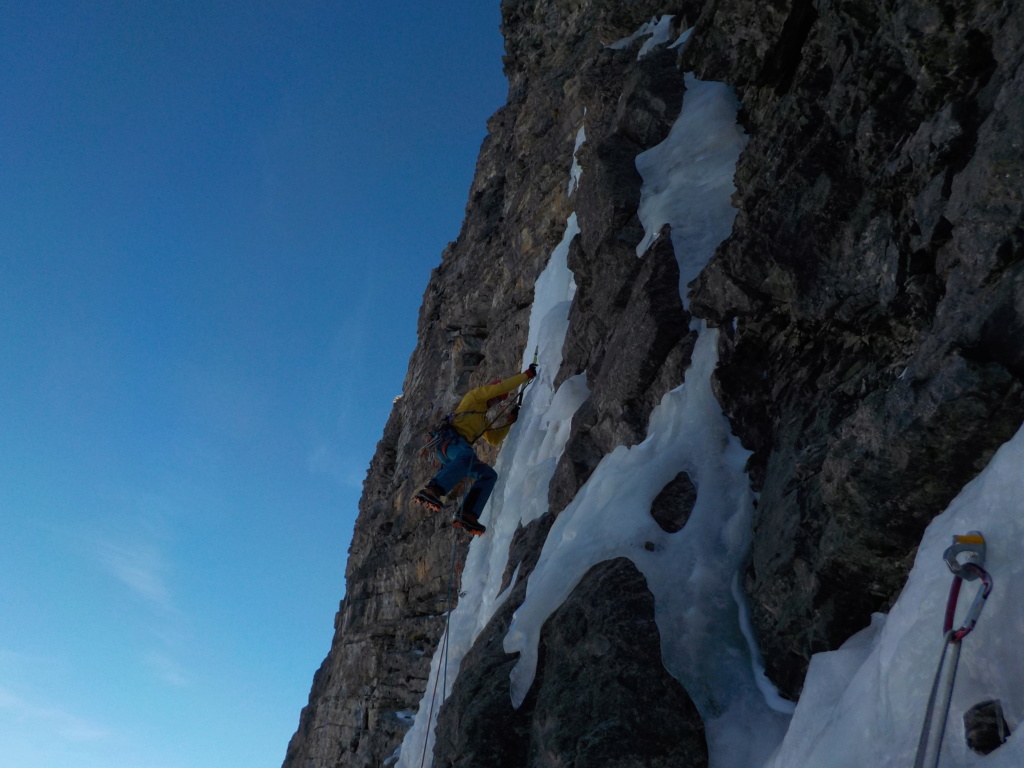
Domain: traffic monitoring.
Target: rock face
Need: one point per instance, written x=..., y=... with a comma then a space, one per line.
x=871, y=306
x=624, y=709
x=874, y=282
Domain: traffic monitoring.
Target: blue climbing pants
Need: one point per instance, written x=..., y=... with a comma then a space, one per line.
x=460, y=460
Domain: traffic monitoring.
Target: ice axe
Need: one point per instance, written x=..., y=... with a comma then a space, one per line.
x=522, y=391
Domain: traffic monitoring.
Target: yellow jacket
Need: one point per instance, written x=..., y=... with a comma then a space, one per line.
x=470, y=418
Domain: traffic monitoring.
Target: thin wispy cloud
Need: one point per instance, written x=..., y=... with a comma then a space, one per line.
x=132, y=546
x=134, y=549
x=335, y=384
x=168, y=669
x=326, y=459
x=61, y=724
x=140, y=567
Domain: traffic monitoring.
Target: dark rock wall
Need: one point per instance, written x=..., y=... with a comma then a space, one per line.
x=871, y=298
x=871, y=291
x=601, y=698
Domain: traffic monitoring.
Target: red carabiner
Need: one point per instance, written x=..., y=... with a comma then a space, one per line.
x=975, y=572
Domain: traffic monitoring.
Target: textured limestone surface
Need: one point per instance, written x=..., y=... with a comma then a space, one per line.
x=871, y=306
x=872, y=292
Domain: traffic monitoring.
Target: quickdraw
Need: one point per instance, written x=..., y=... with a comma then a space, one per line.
x=965, y=558
x=973, y=544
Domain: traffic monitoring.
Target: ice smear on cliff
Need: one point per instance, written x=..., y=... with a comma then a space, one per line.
x=577, y=170
x=525, y=466
x=687, y=183
x=771, y=694
x=658, y=29
x=864, y=703
x=690, y=573
x=688, y=178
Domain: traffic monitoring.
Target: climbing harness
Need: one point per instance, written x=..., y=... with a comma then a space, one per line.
x=965, y=558
x=439, y=438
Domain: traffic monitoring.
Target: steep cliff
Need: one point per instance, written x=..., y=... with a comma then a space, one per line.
x=869, y=307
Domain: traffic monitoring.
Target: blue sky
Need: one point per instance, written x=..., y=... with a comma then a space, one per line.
x=217, y=220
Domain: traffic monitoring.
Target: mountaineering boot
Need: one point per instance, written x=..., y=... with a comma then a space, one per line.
x=430, y=496
x=469, y=522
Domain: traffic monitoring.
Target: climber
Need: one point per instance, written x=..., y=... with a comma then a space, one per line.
x=454, y=446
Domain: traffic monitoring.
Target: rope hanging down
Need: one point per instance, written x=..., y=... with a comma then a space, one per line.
x=454, y=572
x=444, y=640
x=452, y=575
x=972, y=545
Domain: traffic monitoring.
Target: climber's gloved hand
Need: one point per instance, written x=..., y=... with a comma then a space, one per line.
x=531, y=371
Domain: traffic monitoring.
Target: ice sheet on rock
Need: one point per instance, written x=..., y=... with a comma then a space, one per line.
x=542, y=440
x=549, y=316
x=659, y=31
x=682, y=40
x=767, y=688
x=689, y=573
x=864, y=704
x=660, y=34
x=688, y=178
x=528, y=455
x=577, y=170
x=687, y=182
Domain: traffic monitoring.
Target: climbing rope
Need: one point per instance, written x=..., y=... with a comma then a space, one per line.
x=453, y=573
x=973, y=546
x=444, y=640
